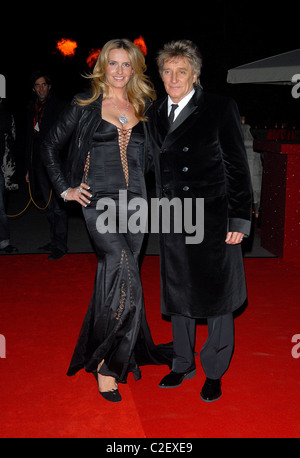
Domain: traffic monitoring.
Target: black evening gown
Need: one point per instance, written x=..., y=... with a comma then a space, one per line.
x=115, y=327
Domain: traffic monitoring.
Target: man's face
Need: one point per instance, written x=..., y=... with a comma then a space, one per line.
x=178, y=78
x=41, y=88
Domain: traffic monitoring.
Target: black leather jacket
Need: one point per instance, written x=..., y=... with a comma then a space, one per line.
x=79, y=124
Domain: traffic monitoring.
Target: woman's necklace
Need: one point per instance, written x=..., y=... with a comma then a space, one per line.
x=123, y=119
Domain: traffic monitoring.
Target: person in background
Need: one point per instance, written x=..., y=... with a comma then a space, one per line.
x=198, y=153
x=5, y=129
x=42, y=112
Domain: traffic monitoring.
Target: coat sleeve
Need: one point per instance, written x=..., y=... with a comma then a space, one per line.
x=237, y=174
x=54, y=142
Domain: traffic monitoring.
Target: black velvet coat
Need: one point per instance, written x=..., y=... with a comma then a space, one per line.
x=203, y=156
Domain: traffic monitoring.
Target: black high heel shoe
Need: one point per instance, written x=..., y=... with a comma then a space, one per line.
x=112, y=395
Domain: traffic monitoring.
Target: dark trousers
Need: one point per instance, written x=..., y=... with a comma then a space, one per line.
x=56, y=215
x=4, y=227
x=216, y=353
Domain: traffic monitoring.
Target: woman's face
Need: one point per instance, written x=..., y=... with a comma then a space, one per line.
x=119, y=68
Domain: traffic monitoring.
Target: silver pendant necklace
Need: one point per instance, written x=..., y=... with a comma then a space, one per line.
x=123, y=119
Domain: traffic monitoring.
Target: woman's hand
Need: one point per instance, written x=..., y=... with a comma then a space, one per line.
x=81, y=194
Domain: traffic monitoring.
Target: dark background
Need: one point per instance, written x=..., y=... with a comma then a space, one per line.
x=228, y=34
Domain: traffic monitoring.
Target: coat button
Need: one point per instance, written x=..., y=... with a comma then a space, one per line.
x=185, y=149
x=185, y=169
x=185, y=188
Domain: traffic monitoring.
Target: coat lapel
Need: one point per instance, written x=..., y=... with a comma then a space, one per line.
x=169, y=133
x=183, y=115
x=162, y=118
x=186, y=117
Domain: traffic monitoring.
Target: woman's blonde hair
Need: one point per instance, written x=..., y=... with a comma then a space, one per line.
x=139, y=87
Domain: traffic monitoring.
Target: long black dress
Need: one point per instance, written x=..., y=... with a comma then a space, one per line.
x=115, y=327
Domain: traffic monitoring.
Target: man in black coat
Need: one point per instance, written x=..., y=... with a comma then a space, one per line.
x=200, y=159
x=43, y=111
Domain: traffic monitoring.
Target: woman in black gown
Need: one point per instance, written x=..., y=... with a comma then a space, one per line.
x=107, y=158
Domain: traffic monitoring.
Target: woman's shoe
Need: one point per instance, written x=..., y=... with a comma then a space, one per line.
x=112, y=395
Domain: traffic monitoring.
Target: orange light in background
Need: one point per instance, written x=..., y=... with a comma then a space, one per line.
x=93, y=56
x=66, y=46
x=140, y=43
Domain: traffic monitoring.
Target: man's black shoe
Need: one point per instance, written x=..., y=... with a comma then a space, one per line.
x=211, y=390
x=174, y=379
x=56, y=254
x=46, y=247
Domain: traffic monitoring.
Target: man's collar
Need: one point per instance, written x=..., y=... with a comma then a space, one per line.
x=183, y=102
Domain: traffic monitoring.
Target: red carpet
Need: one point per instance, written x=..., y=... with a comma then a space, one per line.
x=42, y=306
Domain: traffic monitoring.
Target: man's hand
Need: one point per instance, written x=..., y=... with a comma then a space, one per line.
x=233, y=238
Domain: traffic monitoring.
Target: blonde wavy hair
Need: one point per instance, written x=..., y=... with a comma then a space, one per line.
x=139, y=87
